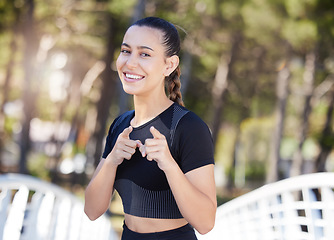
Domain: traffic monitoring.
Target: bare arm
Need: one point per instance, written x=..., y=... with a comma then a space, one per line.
x=194, y=192
x=99, y=191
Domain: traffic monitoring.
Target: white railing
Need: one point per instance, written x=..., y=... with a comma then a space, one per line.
x=298, y=208
x=32, y=209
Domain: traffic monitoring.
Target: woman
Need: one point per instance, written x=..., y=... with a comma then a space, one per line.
x=159, y=157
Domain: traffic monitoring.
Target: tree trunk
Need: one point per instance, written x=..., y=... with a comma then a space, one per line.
x=6, y=89
x=220, y=84
x=327, y=137
x=298, y=160
x=108, y=76
x=28, y=95
x=282, y=89
x=254, y=75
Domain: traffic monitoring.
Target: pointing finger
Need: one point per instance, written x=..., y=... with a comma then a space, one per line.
x=156, y=134
x=126, y=132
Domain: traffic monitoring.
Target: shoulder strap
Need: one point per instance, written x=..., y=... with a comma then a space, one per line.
x=178, y=113
x=121, y=119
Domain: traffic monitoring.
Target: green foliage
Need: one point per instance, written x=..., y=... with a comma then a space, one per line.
x=37, y=166
x=261, y=19
x=301, y=34
x=299, y=8
x=255, y=138
x=255, y=171
x=230, y=10
x=124, y=8
x=224, y=149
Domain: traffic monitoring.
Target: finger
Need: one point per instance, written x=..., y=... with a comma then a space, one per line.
x=148, y=157
x=130, y=143
x=141, y=148
x=139, y=143
x=127, y=156
x=156, y=134
x=123, y=154
x=126, y=132
x=152, y=156
x=128, y=149
x=152, y=149
x=150, y=142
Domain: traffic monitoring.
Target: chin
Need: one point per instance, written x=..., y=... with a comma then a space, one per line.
x=130, y=90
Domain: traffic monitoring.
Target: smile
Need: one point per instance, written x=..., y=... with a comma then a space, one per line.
x=132, y=77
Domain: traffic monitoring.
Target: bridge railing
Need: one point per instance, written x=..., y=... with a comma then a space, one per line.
x=34, y=209
x=298, y=208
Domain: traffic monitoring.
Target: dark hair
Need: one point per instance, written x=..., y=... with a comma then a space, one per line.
x=171, y=41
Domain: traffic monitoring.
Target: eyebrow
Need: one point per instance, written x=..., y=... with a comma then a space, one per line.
x=140, y=47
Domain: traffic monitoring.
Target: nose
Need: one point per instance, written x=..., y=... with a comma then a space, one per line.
x=132, y=61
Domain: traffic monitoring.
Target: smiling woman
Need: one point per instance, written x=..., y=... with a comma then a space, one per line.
x=158, y=157
x=143, y=58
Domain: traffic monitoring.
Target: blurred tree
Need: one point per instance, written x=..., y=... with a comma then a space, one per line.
x=220, y=85
x=323, y=15
x=12, y=13
x=300, y=31
x=109, y=77
x=308, y=87
x=327, y=135
x=282, y=91
x=261, y=30
x=29, y=100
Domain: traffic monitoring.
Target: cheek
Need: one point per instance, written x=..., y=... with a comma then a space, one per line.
x=119, y=63
x=155, y=68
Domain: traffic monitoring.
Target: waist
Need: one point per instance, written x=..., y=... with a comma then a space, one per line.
x=180, y=233
x=151, y=225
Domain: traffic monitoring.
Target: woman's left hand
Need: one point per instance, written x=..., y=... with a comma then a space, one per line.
x=157, y=149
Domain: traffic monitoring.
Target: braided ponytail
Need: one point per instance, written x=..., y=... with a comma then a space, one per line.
x=173, y=85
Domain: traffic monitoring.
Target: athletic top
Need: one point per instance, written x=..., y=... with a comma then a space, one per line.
x=141, y=184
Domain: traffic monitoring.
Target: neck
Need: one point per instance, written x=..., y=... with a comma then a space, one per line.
x=147, y=109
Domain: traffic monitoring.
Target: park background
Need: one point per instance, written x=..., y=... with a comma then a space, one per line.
x=260, y=73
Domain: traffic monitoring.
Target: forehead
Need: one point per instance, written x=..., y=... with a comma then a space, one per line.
x=143, y=36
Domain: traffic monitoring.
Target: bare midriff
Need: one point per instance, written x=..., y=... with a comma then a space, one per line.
x=149, y=225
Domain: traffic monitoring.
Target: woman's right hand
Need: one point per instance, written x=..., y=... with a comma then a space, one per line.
x=124, y=147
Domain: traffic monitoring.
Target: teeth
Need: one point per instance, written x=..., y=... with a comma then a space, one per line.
x=132, y=76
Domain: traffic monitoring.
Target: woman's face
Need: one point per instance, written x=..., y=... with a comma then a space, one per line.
x=142, y=65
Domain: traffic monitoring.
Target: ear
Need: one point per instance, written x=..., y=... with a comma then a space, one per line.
x=171, y=64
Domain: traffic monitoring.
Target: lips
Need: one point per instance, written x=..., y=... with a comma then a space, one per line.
x=131, y=77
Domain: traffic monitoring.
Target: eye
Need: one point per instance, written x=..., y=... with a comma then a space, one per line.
x=145, y=55
x=125, y=51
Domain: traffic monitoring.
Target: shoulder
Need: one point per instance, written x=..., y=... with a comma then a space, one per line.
x=193, y=143
x=193, y=129
x=123, y=119
x=192, y=122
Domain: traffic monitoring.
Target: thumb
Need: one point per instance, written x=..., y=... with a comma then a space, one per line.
x=126, y=132
x=156, y=134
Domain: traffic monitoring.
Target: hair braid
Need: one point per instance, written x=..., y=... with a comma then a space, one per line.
x=174, y=85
